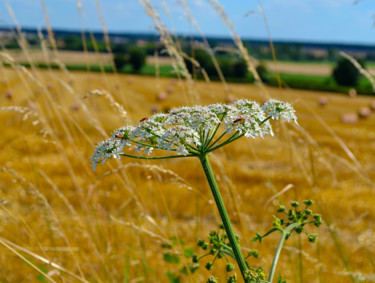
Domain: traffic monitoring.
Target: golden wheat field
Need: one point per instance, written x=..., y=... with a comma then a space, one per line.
x=62, y=222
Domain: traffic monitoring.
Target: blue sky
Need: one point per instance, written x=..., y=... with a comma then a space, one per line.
x=308, y=20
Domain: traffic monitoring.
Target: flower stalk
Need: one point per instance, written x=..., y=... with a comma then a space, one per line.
x=223, y=214
x=284, y=234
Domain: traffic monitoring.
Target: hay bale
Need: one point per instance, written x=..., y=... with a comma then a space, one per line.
x=323, y=101
x=155, y=108
x=130, y=80
x=162, y=96
x=352, y=92
x=349, y=118
x=8, y=94
x=230, y=98
x=170, y=89
x=75, y=106
x=364, y=112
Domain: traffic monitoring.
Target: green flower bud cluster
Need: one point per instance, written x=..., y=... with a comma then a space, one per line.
x=255, y=275
x=218, y=247
x=232, y=278
x=253, y=253
x=295, y=215
x=303, y=216
x=212, y=280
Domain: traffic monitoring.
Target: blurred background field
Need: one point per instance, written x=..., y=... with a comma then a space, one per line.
x=62, y=222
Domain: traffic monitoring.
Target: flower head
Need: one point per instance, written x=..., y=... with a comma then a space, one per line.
x=192, y=130
x=279, y=110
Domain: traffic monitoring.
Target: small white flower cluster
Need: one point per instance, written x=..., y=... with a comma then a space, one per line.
x=247, y=119
x=191, y=130
x=279, y=109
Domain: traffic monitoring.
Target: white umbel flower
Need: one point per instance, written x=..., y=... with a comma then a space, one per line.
x=192, y=130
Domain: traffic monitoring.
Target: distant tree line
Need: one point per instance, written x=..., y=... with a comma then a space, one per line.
x=135, y=57
x=290, y=51
x=133, y=53
x=230, y=66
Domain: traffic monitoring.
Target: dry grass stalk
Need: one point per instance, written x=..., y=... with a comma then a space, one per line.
x=207, y=46
x=42, y=259
x=360, y=68
x=175, y=178
x=28, y=113
x=198, y=66
x=159, y=238
x=237, y=40
x=171, y=47
x=21, y=39
x=27, y=261
x=112, y=102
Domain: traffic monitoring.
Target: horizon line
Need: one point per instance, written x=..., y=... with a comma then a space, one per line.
x=195, y=35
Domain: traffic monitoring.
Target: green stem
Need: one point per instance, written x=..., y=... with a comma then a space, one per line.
x=211, y=136
x=210, y=146
x=235, y=136
x=279, y=248
x=223, y=214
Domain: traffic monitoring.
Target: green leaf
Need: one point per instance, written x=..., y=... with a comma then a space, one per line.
x=190, y=268
x=257, y=238
x=280, y=280
x=171, y=258
x=177, y=241
x=41, y=277
x=188, y=253
x=172, y=277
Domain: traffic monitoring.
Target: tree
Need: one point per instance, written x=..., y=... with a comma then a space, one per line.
x=120, y=61
x=137, y=58
x=73, y=42
x=345, y=73
x=225, y=64
x=120, y=48
x=239, y=68
x=262, y=72
x=202, y=57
